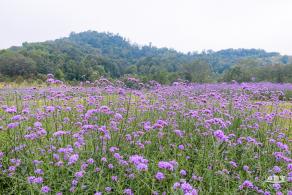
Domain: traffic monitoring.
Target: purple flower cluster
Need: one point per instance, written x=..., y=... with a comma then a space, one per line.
x=140, y=163
x=186, y=188
x=171, y=165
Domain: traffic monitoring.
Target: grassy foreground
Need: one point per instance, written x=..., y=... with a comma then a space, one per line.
x=179, y=139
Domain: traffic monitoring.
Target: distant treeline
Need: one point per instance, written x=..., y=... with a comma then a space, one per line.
x=91, y=55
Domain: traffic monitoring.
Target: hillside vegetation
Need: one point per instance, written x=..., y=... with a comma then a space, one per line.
x=90, y=55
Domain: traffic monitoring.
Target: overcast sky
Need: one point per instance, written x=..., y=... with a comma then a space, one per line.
x=185, y=25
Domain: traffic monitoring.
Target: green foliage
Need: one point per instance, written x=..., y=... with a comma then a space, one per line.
x=278, y=73
x=237, y=73
x=90, y=55
x=15, y=64
x=131, y=70
x=199, y=71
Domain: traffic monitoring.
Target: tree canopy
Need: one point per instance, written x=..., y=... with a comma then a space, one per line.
x=90, y=55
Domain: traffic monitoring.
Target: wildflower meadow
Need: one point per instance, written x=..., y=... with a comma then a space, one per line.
x=131, y=138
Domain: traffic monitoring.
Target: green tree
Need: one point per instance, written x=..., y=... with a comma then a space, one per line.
x=15, y=64
x=199, y=71
x=131, y=69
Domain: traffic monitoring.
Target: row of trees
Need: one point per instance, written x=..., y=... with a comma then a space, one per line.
x=90, y=55
x=278, y=73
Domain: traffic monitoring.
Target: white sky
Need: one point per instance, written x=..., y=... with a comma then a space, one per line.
x=185, y=25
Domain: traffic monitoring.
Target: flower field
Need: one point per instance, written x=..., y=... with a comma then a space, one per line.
x=179, y=139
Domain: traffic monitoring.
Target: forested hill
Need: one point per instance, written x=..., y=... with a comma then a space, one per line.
x=89, y=55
